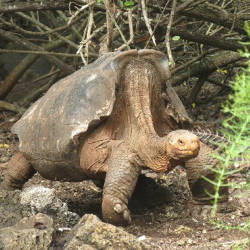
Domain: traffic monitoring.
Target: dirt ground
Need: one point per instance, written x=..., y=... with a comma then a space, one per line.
x=160, y=213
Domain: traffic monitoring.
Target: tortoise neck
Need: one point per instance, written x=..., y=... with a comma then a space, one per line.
x=141, y=89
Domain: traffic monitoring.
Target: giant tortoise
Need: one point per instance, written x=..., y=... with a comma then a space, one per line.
x=105, y=121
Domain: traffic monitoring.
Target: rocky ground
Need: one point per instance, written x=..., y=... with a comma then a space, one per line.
x=55, y=215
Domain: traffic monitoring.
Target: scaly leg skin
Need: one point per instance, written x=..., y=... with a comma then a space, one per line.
x=119, y=185
x=196, y=168
x=19, y=170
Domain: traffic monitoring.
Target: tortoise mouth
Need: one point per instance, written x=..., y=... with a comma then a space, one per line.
x=186, y=154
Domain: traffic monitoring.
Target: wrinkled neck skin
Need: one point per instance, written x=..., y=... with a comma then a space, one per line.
x=141, y=102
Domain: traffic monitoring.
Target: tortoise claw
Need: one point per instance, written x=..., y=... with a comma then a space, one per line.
x=115, y=211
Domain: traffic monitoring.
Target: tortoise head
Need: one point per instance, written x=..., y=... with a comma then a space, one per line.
x=182, y=145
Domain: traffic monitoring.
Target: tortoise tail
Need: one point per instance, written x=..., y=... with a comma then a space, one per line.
x=19, y=170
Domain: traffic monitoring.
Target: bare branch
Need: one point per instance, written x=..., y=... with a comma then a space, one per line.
x=38, y=52
x=145, y=16
x=131, y=31
x=29, y=6
x=10, y=107
x=209, y=64
x=167, y=37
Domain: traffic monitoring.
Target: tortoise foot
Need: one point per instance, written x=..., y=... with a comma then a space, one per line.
x=115, y=211
x=205, y=211
x=6, y=185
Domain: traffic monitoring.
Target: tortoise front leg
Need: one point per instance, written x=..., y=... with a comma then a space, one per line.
x=121, y=178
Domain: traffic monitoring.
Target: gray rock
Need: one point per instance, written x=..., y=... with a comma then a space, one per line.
x=92, y=231
x=38, y=197
x=43, y=200
x=241, y=200
x=29, y=233
x=11, y=211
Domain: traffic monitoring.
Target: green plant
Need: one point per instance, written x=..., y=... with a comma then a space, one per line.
x=236, y=130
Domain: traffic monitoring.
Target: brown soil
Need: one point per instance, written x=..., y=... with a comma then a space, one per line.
x=159, y=211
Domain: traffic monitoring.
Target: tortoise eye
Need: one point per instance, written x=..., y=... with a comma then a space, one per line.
x=180, y=142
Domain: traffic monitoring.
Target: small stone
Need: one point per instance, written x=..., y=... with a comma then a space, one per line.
x=33, y=232
x=140, y=238
x=38, y=197
x=92, y=231
x=182, y=229
x=43, y=200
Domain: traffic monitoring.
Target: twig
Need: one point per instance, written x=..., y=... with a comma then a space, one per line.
x=11, y=107
x=89, y=29
x=72, y=27
x=209, y=64
x=10, y=81
x=157, y=23
x=33, y=95
x=110, y=23
x=119, y=30
x=197, y=87
x=33, y=33
x=24, y=6
x=94, y=33
x=131, y=31
x=47, y=28
x=185, y=65
x=184, y=5
x=79, y=11
x=145, y=16
x=38, y=52
x=167, y=37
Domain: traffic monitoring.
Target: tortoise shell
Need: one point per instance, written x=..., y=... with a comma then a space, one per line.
x=50, y=128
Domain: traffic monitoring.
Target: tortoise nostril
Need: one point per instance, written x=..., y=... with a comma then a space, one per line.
x=195, y=145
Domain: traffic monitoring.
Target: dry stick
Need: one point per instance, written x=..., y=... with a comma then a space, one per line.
x=119, y=30
x=90, y=25
x=145, y=16
x=38, y=52
x=138, y=17
x=41, y=5
x=207, y=65
x=201, y=12
x=10, y=107
x=167, y=37
x=10, y=81
x=208, y=40
x=72, y=27
x=95, y=32
x=131, y=31
x=47, y=28
x=197, y=87
x=26, y=44
x=23, y=31
x=184, y=5
x=185, y=65
x=157, y=23
x=79, y=11
x=108, y=39
x=40, y=78
x=31, y=96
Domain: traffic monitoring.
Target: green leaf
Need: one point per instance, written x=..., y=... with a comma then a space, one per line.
x=176, y=38
x=129, y=4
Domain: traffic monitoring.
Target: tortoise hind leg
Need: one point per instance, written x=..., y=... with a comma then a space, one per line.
x=19, y=170
x=201, y=166
x=202, y=189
